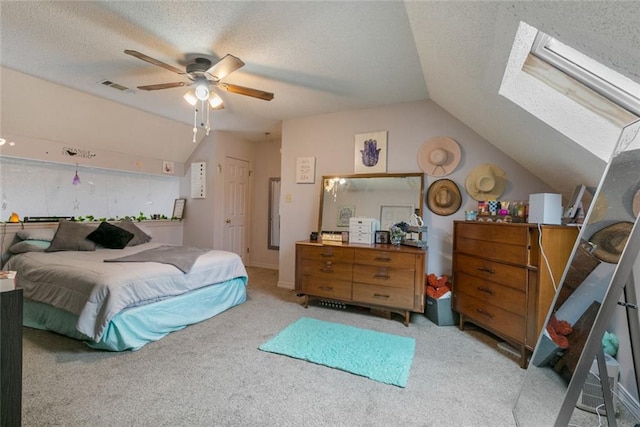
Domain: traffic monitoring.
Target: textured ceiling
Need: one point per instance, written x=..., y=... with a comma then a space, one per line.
x=320, y=57
x=317, y=57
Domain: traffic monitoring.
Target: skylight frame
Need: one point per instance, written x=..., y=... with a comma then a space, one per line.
x=597, y=77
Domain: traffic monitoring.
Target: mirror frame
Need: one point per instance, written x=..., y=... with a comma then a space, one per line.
x=274, y=208
x=420, y=175
x=533, y=392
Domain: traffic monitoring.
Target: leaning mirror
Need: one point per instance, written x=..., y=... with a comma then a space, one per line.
x=390, y=198
x=598, y=270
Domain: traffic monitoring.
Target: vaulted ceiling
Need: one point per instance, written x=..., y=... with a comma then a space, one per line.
x=320, y=57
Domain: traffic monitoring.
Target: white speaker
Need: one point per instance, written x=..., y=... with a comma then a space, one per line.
x=545, y=208
x=591, y=397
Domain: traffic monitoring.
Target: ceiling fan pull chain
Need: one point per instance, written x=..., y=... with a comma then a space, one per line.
x=195, y=123
x=208, y=115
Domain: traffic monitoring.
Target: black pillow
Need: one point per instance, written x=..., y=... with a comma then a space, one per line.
x=110, y=236
x=71, y=236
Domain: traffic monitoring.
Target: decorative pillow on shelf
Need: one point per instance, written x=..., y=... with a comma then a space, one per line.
x=110, y=236
x=29, y=245
x=38, y=234
x=71, y=236
x=139, y=236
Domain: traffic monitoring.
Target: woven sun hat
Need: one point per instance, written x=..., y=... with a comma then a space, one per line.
x=610, y=241
x=439, y=156
x=443, y=197
x=486, y=182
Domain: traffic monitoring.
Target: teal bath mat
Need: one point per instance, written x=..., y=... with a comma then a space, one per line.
x=382, y=357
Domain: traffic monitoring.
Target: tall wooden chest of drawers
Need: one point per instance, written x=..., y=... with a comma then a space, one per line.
x=502, y=280
x=387, y=277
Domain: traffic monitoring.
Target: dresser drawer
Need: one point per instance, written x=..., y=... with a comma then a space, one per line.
x=493, y=293
x=328, y=269
x=383, y=295
x=490, y=316
x=327, y=253
x=323, y=287
x=509, y=275
x=385, y=258
x=383, y=275
x=496, y=233
x=496, y=251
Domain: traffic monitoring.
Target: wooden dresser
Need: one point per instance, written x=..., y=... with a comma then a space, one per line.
x=501, y=281
x=386, y=277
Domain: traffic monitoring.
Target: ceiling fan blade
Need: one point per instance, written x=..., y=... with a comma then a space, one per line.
x=153, y=61
x=224, y=67
x=163, y=86
x=260, y=94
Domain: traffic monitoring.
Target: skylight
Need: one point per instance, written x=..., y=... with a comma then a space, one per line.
x=569, y=91
x=606, y=82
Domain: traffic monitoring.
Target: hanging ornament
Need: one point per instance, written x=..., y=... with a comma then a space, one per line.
x=76, y=178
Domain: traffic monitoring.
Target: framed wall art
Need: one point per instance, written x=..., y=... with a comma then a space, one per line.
x=344, y=215
x=178, y=208
x=370, y=154
x=305, y=170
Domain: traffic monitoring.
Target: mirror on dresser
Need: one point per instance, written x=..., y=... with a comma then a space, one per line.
x=390, y=198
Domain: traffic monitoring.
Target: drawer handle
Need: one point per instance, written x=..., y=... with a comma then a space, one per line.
x=486, y=269
x=326, y=288
x=381, y=296
x=382, y=276
x=485, y=313
x=385, y=259
x=485, y=290
x=327, y=270
x=326, y=255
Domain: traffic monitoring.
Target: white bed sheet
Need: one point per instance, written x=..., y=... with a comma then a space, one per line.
x=83, y=284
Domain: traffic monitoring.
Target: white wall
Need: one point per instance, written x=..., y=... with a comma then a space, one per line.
x=205, y=217
x=266, y=165
x=330, y=138
x=36, y=188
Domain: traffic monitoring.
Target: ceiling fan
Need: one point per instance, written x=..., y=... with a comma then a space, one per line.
x=203, y=75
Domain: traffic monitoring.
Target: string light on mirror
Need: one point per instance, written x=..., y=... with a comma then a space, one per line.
x=331, y=186
x=206, y=98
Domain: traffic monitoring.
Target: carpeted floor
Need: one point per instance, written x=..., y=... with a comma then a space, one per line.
x=212, y=373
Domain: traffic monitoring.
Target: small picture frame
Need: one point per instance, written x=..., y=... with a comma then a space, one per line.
x=382, y=237
x=178, y=209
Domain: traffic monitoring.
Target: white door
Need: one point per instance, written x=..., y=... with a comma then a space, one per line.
x=236, y=206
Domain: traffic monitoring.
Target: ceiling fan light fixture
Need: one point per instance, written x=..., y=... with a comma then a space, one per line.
x=215, y=102
x=190, y=97
x=202, y=91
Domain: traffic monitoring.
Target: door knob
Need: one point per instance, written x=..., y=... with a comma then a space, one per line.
x=228, y=221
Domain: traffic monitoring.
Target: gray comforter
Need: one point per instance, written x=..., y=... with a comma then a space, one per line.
x=83, y=284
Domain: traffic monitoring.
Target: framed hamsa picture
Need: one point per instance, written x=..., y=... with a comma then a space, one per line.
x=370, y=154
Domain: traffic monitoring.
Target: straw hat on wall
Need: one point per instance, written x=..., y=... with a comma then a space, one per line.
x=439, y=156
x=486, y=182
x=611, y=241
x=443, y=197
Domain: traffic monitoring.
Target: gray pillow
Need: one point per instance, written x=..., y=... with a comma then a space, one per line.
x=29, y=246
x=72, y=236
x=39, y=234
x=139, y=236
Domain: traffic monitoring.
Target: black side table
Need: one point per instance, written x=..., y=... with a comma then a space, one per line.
x=11, y=358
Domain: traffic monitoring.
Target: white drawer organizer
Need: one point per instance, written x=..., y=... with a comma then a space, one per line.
x=363, y=230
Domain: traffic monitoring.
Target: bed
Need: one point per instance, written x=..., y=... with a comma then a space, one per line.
x=120, y=296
